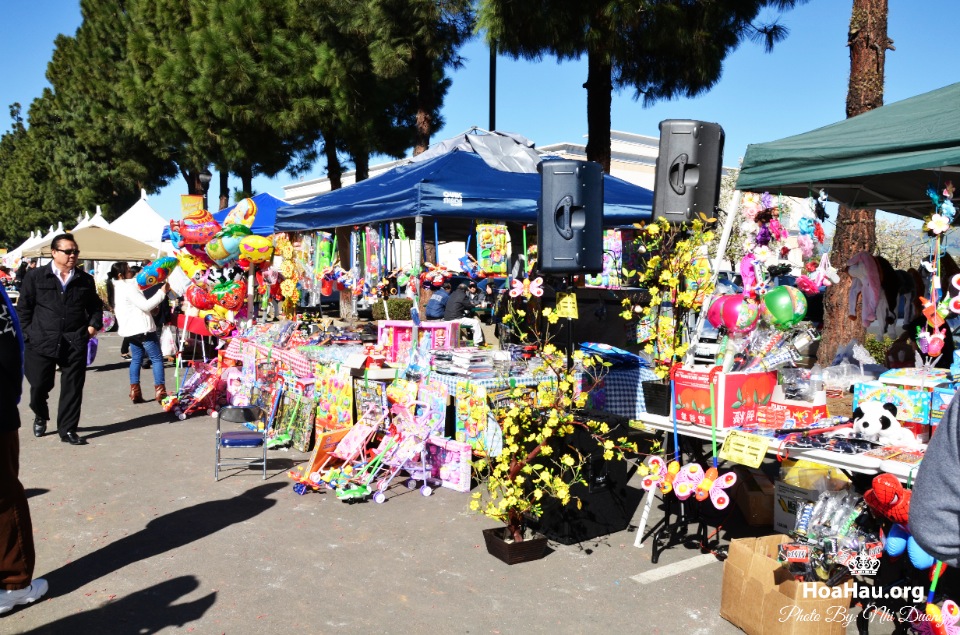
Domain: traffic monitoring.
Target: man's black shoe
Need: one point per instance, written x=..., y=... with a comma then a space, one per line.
x=39, y=427
x=73, y=439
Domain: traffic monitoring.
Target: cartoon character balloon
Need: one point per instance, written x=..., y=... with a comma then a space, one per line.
x=225, y=246
x=195, y=268
x=739, y=314
x=784, y=307
x=231, y=294
x=200, y=297
x=194, y=234
x=156, y=272
x=256, y=249
x=242, y=213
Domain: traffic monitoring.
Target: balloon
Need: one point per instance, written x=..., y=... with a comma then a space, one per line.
x=198, y=217
x=218, y=326
x=739, y=314
x=195, y=234
x=715, y=312
x=200, y=297
x=156, y=272
x=243, y=213
x=195, y=268
x=198, y=252
x=256, y=248
x=231, y=294
x=784, y=307
x=225, y=246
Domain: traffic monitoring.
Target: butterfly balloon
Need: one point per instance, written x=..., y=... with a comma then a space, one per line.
x=526, y=288
x=712, y=486
x=685, y=484
x=661, y=475
x=948, y=617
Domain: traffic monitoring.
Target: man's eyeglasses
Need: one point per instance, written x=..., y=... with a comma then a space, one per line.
x=69, y=252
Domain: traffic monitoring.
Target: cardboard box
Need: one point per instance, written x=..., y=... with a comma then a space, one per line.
x=738, y=395
x=913, y=405
x=761, y=597
x=800, y=413
x=396, y=336
x=939, y=400
x=787, y=499
x=755, y=497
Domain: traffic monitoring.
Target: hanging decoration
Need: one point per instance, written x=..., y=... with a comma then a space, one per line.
x=492, y=249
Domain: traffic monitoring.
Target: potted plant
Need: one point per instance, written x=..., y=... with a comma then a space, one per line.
x=538, y=462
x=674, y=281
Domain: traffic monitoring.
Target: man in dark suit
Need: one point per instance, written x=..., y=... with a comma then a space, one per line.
x=60, y=311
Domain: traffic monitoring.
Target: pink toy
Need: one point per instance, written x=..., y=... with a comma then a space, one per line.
x=715, y=312
x=740, y=314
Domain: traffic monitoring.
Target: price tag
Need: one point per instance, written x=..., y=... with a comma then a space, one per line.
x=567, y=305
x=744, y=448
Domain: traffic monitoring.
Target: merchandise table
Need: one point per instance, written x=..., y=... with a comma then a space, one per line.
x=298, y=363
x=846, y=462
x=622, y=390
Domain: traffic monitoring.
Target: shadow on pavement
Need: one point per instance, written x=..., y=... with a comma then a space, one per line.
x=35, y=491
x=162, y=534
x=108, y=367
x=147, y=611
x=155, y=417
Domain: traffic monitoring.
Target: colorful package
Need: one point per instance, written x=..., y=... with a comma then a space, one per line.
x=450, y=461
x=492, y=248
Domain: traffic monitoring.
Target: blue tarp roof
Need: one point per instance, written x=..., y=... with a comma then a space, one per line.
x=457, y=185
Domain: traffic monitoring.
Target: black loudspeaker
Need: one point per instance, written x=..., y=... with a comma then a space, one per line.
x=688, y=170
x=607, y=503
x=570, y=217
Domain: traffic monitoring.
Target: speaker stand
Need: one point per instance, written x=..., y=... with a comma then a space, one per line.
x=677, y=532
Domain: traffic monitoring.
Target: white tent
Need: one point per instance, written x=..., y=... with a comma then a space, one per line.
x=98, y=243
x=12, y=257
x=82, y=221
x=97, y=221
x=142, y=223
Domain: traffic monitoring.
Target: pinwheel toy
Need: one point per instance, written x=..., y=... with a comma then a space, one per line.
x=526, y=288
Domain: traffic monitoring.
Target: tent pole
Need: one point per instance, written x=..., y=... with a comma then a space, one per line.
x=729, y=218
x=415, y=271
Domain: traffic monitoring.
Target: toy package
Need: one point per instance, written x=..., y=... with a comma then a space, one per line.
x=492, y=248
x=334, y=390
x=471, y=413
x=370, y=396
x=449, y=461
x=609, y=278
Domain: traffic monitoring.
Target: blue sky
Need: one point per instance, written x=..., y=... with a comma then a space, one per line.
x=800, y=86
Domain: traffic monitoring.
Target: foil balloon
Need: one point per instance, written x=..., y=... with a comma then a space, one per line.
x=199, y=252
x=256, y=249
x=231, y=294
x=200, y=297
x=197, y=217
x=200, y=234
x=218, y=326
x=242, y=213
x=715, y=312
x=156, y=272
x=739, y=314
x=784, y=307
x=225, y=246
x=195, y=268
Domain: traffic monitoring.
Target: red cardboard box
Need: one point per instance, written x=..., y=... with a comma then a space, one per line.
x=738, y=395
x=802, y=413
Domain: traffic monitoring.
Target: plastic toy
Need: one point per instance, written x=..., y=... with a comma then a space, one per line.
x=877, y=421
x=899, y=540
x=889, y=498
x=784, y=307
x=661, y=475
x=938, y=620
x=739, y=314
x=713, y=486
x=527, y=288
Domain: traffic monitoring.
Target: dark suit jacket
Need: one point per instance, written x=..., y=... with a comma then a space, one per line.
x=51, y=317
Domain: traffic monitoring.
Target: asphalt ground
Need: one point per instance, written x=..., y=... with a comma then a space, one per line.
x=134, y=536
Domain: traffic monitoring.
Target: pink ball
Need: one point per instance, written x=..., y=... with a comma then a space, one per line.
x=739, y=314
x=715, y=312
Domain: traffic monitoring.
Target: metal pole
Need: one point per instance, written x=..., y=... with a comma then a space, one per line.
x=415, y=271
x=493, y=86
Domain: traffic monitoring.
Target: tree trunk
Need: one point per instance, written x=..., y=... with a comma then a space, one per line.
x=361, y=161
x=334, y=169
x=224, y=187
x=599, y=87
x=425, y=103
x=245, y=173
x=856, y=228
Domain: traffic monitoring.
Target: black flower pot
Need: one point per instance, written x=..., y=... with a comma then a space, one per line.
x=656, y=397
x=532, y=548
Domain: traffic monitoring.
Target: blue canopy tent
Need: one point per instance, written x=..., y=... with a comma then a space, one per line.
x=457, y=185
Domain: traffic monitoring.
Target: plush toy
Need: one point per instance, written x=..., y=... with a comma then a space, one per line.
x=889, y=498
x=877, y=421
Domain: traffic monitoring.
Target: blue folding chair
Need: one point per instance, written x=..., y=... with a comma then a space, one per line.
x=237, y=439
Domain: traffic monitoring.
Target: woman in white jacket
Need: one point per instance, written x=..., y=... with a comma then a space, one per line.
x=132, y=310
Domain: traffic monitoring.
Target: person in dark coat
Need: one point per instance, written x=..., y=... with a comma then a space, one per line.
x=460, y=308
x=60, y=311
x=437, y=304
x=17, y=554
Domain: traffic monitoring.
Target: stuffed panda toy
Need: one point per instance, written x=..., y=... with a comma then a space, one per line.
x=877, y=422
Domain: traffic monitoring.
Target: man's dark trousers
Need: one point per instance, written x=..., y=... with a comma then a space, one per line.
x=41, y=372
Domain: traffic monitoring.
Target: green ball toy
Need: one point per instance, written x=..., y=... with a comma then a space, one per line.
x=784, y=307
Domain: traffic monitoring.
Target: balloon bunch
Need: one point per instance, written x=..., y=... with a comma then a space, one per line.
x=214, y=257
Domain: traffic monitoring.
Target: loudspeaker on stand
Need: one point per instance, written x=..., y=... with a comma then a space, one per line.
x=688, y=169
x=570, y=217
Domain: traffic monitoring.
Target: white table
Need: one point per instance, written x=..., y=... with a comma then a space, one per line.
x=848, y=462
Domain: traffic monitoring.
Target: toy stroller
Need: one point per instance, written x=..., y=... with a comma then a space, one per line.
x=397, y=452
x=348, y=451
x=198, y=392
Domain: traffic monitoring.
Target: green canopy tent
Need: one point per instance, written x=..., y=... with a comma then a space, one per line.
x=885, y=158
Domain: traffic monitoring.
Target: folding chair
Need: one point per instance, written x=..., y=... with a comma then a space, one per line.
x=240, y=438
